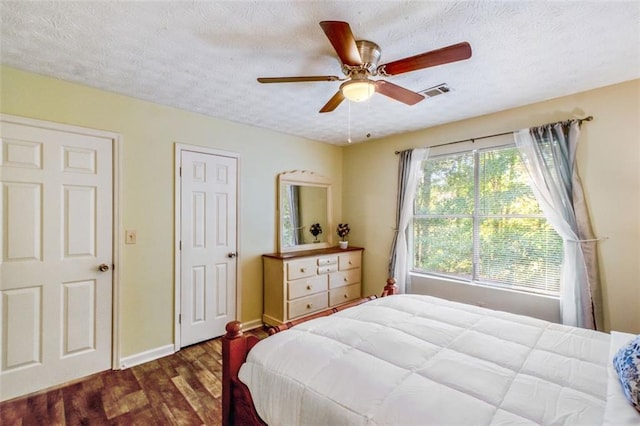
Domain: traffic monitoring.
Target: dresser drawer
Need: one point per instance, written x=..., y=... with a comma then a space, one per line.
x=301, y=269
x=349, y=261
x=327, y=269
x=342, y=278
x=307, y=286
x=327, y=260
x=344, y=294
x=307, y=305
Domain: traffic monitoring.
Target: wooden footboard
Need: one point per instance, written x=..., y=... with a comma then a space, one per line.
x=237, y=404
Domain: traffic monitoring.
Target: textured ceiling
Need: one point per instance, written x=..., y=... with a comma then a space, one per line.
x=204, y=56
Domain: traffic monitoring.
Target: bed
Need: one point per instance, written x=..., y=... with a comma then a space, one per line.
x=409, y=359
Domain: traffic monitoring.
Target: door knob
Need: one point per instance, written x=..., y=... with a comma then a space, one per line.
x=232, y=255
x=104, y=267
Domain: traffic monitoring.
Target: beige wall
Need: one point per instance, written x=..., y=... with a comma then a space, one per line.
x=608, y=161
x=149, y=132
x=608, y=157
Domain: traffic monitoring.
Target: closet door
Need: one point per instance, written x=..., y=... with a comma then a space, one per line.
x=208, y=259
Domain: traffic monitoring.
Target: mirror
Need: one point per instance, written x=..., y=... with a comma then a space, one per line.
x=304, y=211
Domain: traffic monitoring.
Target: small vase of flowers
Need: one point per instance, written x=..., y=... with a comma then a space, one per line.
x=342, y=231
x=315, y=230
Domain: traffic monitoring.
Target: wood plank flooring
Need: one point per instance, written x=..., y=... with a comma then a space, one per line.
x=181, y=389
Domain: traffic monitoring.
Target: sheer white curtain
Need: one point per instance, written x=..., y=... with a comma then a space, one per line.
x=548, y=153
x=294, y=213
x=409, y=173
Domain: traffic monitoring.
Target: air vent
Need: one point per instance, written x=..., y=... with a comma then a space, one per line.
x=438, y=90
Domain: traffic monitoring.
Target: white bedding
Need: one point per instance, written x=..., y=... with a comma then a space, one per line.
x=409, y=359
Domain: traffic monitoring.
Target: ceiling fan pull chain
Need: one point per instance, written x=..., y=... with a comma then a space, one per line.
x=349, y=121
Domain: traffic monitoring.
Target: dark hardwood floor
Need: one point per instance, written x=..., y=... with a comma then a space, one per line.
x=181, y=389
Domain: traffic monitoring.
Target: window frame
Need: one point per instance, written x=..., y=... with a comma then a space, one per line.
x=475, y=148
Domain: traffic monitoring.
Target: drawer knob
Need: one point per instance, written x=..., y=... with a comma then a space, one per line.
x=345, y=295
x=350, y=263
x=308, y=287
x=345, y=279
x=309, y=305
x=303, y=270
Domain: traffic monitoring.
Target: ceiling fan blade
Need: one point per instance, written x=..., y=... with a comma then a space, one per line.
x=341, y=38
x=298, y=79
x=453, y=53
x=333, y=102
x=398, y=93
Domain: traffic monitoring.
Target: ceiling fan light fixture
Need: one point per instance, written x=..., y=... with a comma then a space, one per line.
x=358, y=90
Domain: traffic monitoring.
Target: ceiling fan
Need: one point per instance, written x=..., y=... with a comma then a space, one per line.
x=359, y=60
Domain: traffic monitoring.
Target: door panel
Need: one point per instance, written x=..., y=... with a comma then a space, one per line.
x=208, y=236
x=79, y=221
x=198, y=294
x=222, y=278
x=57, y=216
x=79, y=317
x=21, y=333
x=23, y=223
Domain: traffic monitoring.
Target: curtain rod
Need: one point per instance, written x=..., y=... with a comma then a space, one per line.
x=589, y=118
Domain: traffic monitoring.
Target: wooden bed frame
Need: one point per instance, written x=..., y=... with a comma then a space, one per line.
x=237, y=404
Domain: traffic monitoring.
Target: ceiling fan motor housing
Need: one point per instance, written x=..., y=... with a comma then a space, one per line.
x=369, y=54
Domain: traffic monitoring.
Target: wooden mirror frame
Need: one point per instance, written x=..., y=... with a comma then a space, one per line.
x=304, y=178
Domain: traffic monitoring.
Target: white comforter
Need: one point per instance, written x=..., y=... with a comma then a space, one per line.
x=410, y=359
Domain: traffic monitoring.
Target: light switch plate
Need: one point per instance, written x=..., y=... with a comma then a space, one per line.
x=130, y=237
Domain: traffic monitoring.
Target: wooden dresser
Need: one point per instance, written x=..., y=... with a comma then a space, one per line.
x=301, y=283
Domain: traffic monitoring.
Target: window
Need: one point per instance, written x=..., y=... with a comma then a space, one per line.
x=476, y=219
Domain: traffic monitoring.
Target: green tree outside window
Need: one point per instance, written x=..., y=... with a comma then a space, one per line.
x=476, y=219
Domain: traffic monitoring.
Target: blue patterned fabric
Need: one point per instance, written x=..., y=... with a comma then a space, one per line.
x=627, y=364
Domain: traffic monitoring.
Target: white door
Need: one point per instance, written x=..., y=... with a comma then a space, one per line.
x=56, y=310
x=208, y=239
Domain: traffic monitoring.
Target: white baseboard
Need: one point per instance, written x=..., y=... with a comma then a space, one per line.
x=151, y=354
x=246, y=326
x=146, y=356
x=269, y=320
